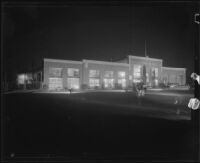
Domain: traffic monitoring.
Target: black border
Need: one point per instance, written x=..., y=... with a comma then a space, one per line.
x=195, y=114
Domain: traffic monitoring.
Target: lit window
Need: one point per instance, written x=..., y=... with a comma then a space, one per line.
x=108, y=83
x=154, y=72
x=55, y=72
x=73, y=83
x=72, y=72
x=55, y=83
x=94, y=73
x=108, y=74
x=137, y=73
x=156, y=82
x=122, y=83
x=21, y=79
x=147, y=77
x=94, y=82
x=121, y=74
x=24, y=78
x=136, y=80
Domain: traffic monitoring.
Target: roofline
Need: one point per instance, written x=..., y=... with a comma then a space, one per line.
x=137, y=57
x=61, y=61
x=105, y=62
x=173, y=68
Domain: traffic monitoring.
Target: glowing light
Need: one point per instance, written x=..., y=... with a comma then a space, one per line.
x=121, y=74
x=108, y=83
x=55, y=83
x=156, y=82
x=73, y=83
x=93, y=82
x=122, y=82
x=21, y=79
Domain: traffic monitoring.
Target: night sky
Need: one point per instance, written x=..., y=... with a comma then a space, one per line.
x=32, y=32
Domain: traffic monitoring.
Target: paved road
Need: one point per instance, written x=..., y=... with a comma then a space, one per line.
x=60, y=126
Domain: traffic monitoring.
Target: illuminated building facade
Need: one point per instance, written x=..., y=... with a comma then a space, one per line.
x=92, y=74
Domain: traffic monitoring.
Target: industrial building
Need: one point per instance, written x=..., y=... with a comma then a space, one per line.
x=92, y=74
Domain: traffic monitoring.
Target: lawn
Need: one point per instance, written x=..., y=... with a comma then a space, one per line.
x=95, y=126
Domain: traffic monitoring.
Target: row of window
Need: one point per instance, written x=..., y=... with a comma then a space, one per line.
x=57, y=83
x=137, y=71
x=108, y=82
x=72, y=72
x=57, y=72
x=108, y=74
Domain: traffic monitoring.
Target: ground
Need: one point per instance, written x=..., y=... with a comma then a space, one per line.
x=97, y=126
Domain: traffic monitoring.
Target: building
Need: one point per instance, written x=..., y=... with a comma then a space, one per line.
x=90, y=74
x=30, y=80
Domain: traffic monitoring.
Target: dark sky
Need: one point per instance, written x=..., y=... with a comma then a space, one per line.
x=99, y=32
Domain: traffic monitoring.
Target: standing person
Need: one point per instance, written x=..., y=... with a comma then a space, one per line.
x=140, y=88
x=140, y=91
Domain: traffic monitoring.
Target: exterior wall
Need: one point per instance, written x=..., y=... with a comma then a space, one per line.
x=102, y=67
x=125, y=60
x=174, y=75
x=165, y=74
x=149, y=63
x=64, y=65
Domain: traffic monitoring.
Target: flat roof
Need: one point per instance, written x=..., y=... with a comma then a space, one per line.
x=173, y=68
x=144, y=58
x=105, y=62
x=62, y=61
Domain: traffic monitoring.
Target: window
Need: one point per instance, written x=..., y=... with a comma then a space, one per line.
x=180, y=79
x=172, y=79
x=55, y=83
x=73, y=83
x=122, y=83
x=72, y=72
x=22, y=78
x=108, y=83
x=154, y=72
x=108, y=74
x=122, y=79
x=137, y=73
x=94, y=74
x=147, y=77
x=94, y=82
x=156, y=82
x=55, y=72
x=121, y=74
